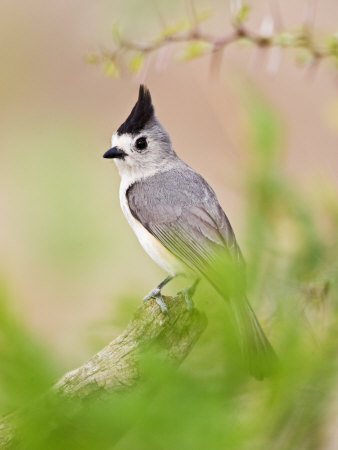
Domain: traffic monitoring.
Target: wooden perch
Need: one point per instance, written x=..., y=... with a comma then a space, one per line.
x=116, y=367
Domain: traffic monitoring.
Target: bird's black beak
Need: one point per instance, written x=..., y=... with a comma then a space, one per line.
x=114, y=153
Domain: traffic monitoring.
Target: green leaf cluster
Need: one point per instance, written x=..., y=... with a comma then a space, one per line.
x=194, y=49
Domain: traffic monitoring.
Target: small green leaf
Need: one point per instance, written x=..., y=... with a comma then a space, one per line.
x=302, y=39
x=116, y=32
x=332, y=44
x=178, y=27
x=194, y=50
x=242, y=13
x=136, y=62
x=284, y=39
x=183, y=25
x=111, y=69
x=92, y=58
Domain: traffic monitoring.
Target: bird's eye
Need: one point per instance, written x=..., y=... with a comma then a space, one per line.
x=141, y=143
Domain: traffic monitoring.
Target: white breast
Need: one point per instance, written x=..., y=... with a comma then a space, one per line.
x=151, y=245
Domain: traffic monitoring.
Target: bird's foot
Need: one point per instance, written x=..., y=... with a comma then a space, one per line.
x=187, y=297
x=188, y=293
x=157, y=295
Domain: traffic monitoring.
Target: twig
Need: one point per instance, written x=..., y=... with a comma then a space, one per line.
x=272, y=35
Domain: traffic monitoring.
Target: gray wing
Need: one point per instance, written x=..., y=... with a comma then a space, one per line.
x=181, y=210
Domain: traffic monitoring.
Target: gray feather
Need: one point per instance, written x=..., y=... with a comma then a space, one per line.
x=181, y=210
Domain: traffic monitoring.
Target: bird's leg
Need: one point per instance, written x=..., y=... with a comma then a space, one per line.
x=157, y=295
x=188, y=293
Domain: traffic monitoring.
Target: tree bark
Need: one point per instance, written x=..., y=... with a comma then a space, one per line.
x=117, y=366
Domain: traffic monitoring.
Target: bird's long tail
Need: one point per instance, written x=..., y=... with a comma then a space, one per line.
x=228, y=279
x=257, y=351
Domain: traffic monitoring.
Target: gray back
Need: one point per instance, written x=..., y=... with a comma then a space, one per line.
x=181, y=210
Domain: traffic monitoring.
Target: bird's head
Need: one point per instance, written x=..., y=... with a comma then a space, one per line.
x=141, y=146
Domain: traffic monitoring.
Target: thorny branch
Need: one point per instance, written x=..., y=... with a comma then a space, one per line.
x=272, y=34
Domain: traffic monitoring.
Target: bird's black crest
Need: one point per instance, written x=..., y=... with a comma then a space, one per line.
x=140, y=114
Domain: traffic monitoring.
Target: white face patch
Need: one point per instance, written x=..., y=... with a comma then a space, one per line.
x=123, y=142
x=142, y=162
x=131, y=167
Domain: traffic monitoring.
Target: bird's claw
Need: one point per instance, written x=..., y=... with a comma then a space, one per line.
x=188, y=293
x=152, y=294
x=156, y=294
x=187, y=297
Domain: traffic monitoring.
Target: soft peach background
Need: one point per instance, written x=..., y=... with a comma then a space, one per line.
x=66, y=253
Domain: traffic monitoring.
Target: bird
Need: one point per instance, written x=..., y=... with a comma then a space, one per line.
x=180, y=223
